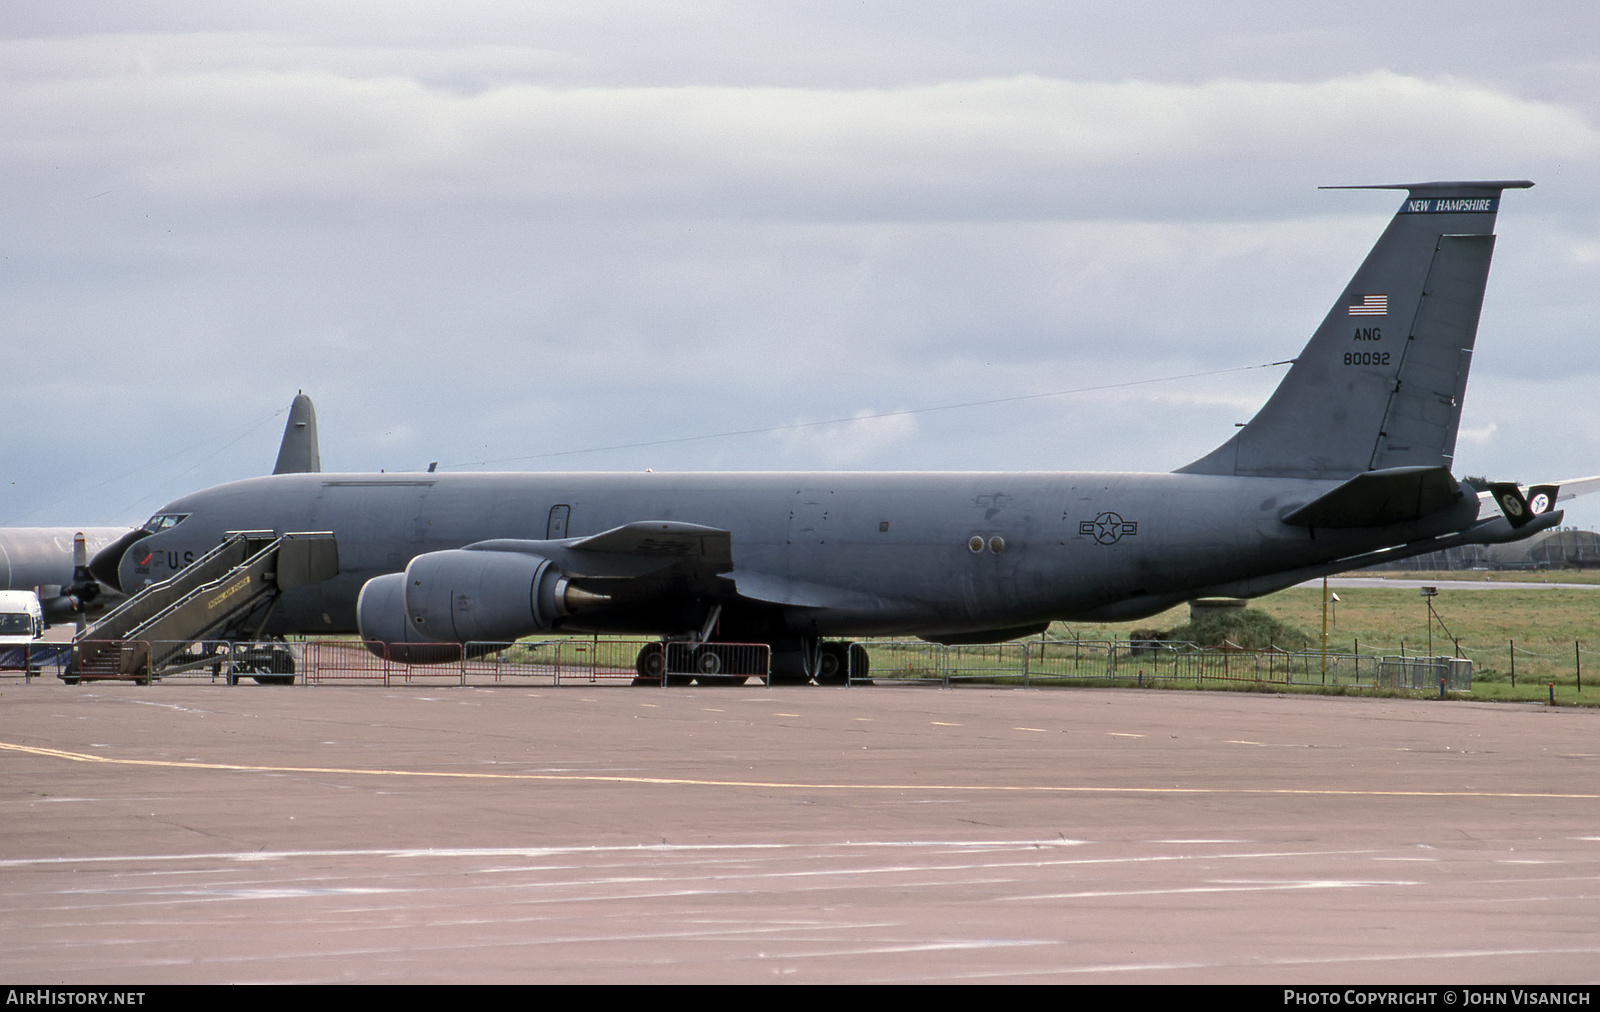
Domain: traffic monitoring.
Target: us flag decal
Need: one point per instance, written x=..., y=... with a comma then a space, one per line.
x=1371, y=305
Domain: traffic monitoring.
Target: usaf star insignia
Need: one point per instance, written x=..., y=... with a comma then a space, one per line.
x=1108, y=528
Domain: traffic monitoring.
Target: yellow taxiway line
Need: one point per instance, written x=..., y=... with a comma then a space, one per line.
x=54, y=753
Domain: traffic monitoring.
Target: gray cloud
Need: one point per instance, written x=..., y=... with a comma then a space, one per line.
x=485, y=238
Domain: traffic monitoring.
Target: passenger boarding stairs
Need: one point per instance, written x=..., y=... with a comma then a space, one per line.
x=152, y=632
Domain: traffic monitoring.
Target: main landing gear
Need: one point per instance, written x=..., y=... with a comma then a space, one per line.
x=837, y=662
x=832, y=665
x=723, y=664
x=830, y=662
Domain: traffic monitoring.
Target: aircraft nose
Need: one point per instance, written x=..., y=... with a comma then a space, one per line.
x=107, y=562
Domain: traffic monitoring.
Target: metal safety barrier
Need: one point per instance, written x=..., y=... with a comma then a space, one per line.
x=717, y=663
x=40, y=659
x=1425, y=673
x=1136, y=662
x=550, y=662
x=594, y=661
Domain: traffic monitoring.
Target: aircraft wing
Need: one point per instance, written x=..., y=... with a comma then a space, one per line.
x=659, y=539
x=799, y=594
x=1574, y=487
x=658, y=558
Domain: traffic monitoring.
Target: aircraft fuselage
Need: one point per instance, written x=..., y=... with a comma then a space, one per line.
x=840, y=553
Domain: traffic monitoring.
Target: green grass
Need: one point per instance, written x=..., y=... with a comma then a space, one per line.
x=1543, y=624
x=1493, y=576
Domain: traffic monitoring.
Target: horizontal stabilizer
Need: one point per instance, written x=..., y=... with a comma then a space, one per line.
x=1394, y=495
x=1494, y=531
x=1489, y=503
x=1519, y=509
x=1542, y=498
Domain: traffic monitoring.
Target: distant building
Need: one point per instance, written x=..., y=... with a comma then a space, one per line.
x=1564, y=548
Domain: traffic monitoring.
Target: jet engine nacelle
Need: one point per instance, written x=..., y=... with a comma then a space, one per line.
x=464, y=596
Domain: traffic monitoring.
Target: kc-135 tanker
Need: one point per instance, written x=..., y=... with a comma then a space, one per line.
x=1347, y=464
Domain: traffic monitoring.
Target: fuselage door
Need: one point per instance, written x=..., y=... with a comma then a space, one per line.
x=558, y=522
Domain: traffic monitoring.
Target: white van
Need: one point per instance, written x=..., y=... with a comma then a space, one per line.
x=21, y=625
x=21, y=618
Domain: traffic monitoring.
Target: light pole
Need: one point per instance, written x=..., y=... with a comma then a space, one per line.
x=1324, y=630
x=1428, y=594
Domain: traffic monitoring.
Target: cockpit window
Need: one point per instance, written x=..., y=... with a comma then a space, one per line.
x=163, y=521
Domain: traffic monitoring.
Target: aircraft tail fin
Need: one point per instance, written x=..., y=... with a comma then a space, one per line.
x=299, y=452
x=1381, y=382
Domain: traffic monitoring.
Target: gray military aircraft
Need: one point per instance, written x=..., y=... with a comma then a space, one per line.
x=51, y=562
x=1347, y=464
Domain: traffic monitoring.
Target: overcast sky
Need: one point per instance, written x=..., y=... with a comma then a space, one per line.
x=537, y=236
